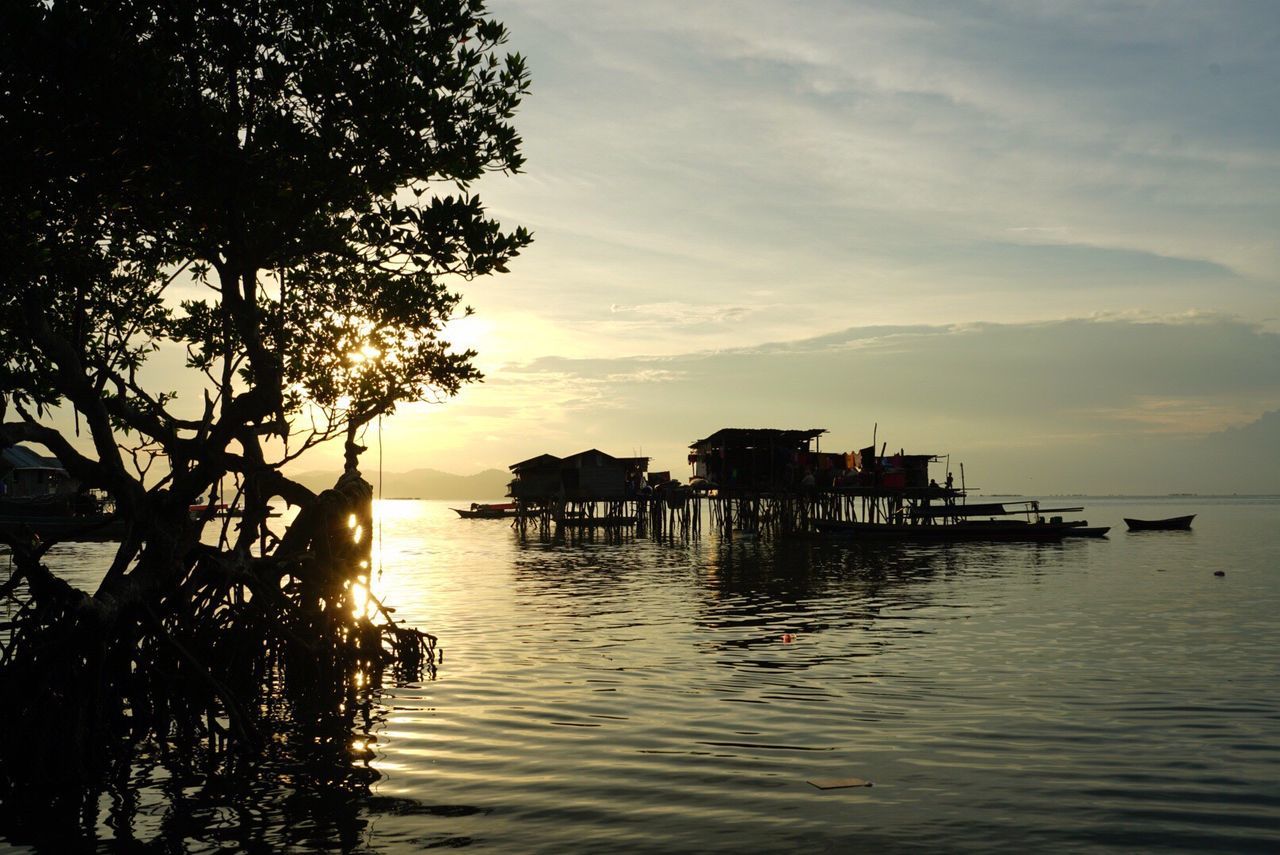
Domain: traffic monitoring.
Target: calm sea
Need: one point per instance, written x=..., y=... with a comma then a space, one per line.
x=677, y=697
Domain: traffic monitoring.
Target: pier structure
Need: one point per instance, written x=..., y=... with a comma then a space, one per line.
x=592, y=492
x=765, y=481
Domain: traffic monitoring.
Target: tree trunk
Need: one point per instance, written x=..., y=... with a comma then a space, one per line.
x=193, y=643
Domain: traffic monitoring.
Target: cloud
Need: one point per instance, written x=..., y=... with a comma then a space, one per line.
x=644, y=376
x=1111, y=404
x=843, y=213
x=1088, y=388
x=680, y=314
x=869, y=149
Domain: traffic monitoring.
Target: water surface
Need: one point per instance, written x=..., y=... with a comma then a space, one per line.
x=673, y=696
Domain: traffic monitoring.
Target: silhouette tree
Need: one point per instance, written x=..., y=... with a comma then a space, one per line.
x=277, y=196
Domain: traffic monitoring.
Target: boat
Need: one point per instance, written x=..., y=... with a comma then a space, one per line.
x=1170, y=524
x=221, y=510
x=1081, y=528
x=210, y=509
x=909, y=515
x=479, y=511
x=1087, y=531
x=892, y=498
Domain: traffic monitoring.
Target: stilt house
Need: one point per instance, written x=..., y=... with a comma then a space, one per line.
x=24, y=473
x=586, y=476
x=762, y=459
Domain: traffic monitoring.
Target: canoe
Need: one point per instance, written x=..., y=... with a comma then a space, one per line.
x=487, y=512
x=483, y=514
x=1170, y=524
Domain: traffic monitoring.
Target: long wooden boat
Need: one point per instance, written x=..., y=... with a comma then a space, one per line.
x=1170, y=524
x=487, y=512
x=962, y=532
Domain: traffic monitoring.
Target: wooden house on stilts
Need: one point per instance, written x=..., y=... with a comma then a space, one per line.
x=780, y=481
x=583, y=493
x=769, y=481
x=756, y=475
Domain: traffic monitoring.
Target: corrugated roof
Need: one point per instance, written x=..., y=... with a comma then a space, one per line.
x=588, y=452
x=759, y=436
x=634, y=461
x=540, y=460
x=21, y=457
x=551, y=460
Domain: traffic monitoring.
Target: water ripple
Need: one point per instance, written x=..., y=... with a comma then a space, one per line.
x=658, y=697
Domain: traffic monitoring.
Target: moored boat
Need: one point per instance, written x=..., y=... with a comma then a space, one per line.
x=913, y=516
x=479, y=511
x=1087, y=531
x=1081, y=528
x=1170, y=524
x=209, y=509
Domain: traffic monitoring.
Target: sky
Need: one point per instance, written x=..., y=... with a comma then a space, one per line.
x=1042, y=237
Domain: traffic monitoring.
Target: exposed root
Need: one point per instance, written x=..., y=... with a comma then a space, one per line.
x=241, y=648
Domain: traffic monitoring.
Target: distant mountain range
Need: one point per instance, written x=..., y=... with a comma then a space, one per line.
x=486, y=486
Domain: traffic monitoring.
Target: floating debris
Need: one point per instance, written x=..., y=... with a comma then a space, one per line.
x=838, y=783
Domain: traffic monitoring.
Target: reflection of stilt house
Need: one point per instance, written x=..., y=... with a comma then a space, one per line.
x=582, y=492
